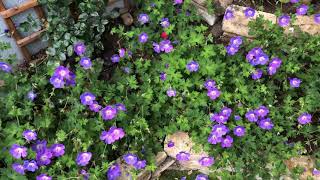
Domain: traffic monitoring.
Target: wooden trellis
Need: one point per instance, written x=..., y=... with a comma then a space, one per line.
x=22, y=41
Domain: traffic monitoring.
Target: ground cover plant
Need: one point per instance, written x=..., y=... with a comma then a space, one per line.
x=251, y=103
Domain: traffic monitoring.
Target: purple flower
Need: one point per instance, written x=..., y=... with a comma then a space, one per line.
x=126, y=70
x=249, y=12
x=305, y=118
x=31, y=95
x=213, y=93
x=70, y=80
x=87, y=98
x=86, y=63
x=226, y=111
x=250, y=57
x=228, y=15
x=156, y=47
x=57, y=81
x=44, y=158
x=61, y=72
x=183, y=156
x=210, y=84
x=294, y=1
x=143, y=18
x=236, y=41
x=115, y=58
x=193, y=66
x=219, y=118
x=171, y=92
x=30, y=165
x=122, y=52
x=108, y=113
x=163, y=76
x=272, y=70
x=43, y=177
x=18, y=151
x=317, y=18
x=85, y=174
x=5, y=67
x=251, y=116
x=316, y=172
x=83, y=158
x=40, y=146
x=295, y=82
x=130, y=158
x=206, y=161
x=120, y=107
x=275, y=62
x=220, y=130
x=112, y=135
x=79, y=48
x=202, y=177
x=114, y=172
x=239, y=131
x=170, y=144
x=18, y=168
x=237, y=117
x=284, y=20
x=166, y=46
x=165, y=22
x=262, y=59
x=302, y=10
x=227, y=142
x=262, y=111
x=57, y=150
x=183, y=178
x=29, y=135
x=143, y=37
x=266, y=124
x=214, y=138
x=175, y=2
x=140, y=164
x=232, y=50
x=257, y=74
x=95, y=107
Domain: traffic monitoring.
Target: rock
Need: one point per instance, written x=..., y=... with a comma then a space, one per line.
x=127, y=19
x=225, y=3
x=209, y=18
x=303, y=161
x=161, y=156
x=182, y=142
x=193, y=163
x=164, y=166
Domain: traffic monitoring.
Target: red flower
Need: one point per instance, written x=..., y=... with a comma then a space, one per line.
x=164, y=35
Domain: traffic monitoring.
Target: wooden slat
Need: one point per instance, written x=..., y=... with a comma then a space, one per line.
x=29, y=39
x=40, y=13
x=18, y=9
x=15, y=33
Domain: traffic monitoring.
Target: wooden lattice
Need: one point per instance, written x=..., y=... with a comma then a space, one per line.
x=22, y=41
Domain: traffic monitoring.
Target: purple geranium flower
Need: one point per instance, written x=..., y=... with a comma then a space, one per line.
x=115, y=58
x=214, y=138
x=251, y=116
x=213, y=93
x=210, y=84
x=249, y=12
x=262, y=59
x=85, y=174
x=272, y=70
x=166, y=46
x=226, y=111
x=114, y=172
x=5, y=67
x=295, y=82
x=18, y=151
x=316, y=172
x=40, y=146
x=227, y=142
x=29, y=135
x=239, y=131
x=275, y=62
x=232, y=50
x=83, y=158
x=112, y=135
x=266, y=124
x=57, y=81
x=86, y=63
x=193, y=66
x=143, y=18
x=108, y=113
x=87, y=98
x=305, y=118
x=130, y=158
x=156, y=47
x=284, y=20
x=257, y=74
x=44, y=158
x=57, y=150
x=170, y=144
x=317, y=18
x=171, y=92
x=236, y=41
x=143, y=37
x=163, y=76
x=120, y=107
x=294, y=1
x=237, y=117
x=79, y=48
x=175, y=2
x=206, y=161
x=202, y=177
x=61, y=72
x=183, y=156
x=95, y=107
x=71, y=79
x=31, y=95
x=220, y=130
x=228, y=15
x=122, y=52
x=30, y=165
x=262, y=111
x=219, y=118
x=140, y=164
x=18, y=168
x=43, y=177
x=165, y=22
x=302, y=10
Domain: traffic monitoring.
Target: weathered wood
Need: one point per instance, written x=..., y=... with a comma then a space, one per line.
x=40, y=13
x=18, y=9
x=29, y=39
